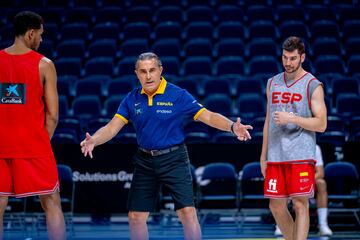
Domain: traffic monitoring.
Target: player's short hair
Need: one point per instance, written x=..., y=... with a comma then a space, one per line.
x=294, y=43
x=148, y=56
x=26, y=20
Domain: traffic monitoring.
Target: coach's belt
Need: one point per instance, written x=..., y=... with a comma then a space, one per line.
x=159, y=152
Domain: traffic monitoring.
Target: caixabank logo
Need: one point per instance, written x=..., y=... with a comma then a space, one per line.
x=12, y=93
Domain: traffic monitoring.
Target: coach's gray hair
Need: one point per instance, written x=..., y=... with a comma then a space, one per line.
x=148, y=56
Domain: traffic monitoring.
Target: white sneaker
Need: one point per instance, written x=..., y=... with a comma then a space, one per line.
x=277, y=232
x=324, y=230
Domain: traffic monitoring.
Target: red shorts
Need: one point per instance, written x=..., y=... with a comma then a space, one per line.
x=22, y=177
x=284, y=180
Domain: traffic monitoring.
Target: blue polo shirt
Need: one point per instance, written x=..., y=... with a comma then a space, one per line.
x=158, y=118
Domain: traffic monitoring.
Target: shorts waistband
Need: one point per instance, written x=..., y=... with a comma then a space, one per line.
x=155, y=153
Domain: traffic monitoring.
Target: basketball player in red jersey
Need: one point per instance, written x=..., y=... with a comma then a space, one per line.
x=29, y=115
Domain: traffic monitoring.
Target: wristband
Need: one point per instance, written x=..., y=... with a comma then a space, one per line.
x=232, y=128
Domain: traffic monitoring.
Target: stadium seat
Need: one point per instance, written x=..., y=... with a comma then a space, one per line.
x=169, y=14
x=71, y=48
x=354, y=65
x=171, y=66
x=348, y=105
x=351, y=28
x=139, y=14
x=86, y=107
x=199, y=30
x=326, y=46
x=234, y=30
x=251, y=105
x=264, y=65
x=171, y=30
x=263, y=47
x=192, y=86
x=324, y=28
x=88, y=87
x=198, y=47
x=260, y=13
x=199, y=14
x=109, y=15
x=246, y=86
x=112, y=104
x=103, y=48
x=79, y=15
x=263, y=29
x=99, y=66
x=217, y=86
x=230, y=13
x=230, y=65
x=318, y=13
x=219, y=103
x=136, y=30
x=329, y=64
x=167, y=48
x=197, y=65
x=126, y=66
x=108, y=30
x=134, y=47
x=229, y=47
x=68, y=66
x=287, y=13
x=294, y=28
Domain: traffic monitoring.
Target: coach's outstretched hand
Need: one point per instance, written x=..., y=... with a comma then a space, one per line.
x=87, y=145
x=241, y=131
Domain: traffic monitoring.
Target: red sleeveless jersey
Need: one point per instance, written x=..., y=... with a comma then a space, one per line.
x=22, y=108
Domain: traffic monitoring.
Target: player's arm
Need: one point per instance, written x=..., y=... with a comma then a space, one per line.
x=101, y=136
x=220, y=122
x=317, y=123
x=264, y=148
x=49, y=79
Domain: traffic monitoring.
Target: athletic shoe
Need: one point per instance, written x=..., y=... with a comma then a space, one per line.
x=324, y=230
x=277, y=232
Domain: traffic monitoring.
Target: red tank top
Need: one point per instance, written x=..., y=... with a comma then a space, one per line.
x=22, y=108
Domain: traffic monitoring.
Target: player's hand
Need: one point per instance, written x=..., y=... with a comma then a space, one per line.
x=282, y=118
x=241, y=131
x=87, y=145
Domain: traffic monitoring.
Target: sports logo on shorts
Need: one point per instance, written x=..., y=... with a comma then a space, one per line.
x=272, y=186
x=12, y=93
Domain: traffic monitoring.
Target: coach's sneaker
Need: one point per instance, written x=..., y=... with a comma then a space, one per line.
x=277, y=232
x=324, y=230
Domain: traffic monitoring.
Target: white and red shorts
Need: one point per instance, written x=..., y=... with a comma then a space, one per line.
x=284, y=180
x=22, y=177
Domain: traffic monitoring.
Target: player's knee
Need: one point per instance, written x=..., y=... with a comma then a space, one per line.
x=187, y=213
x=50, y=202
x=300, y=206
x=321, y=185
x=137, y=217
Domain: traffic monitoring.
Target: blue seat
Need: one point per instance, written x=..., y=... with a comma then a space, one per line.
x=349, y=13
x=99, y=66
x=68, y=66
x=245, y=86
x=134, y=47
x=197, y=137
x=198, y=47
x=335, y=123
x=348, y=105
x=171, y=65
x=230, y=65
x=326, y=46
x=171, y=30
x=80, y=15
x=95, y=124
x=58, y=3
x=103, y=48
x=260, y=13
x=344, y=85
x=344, y=181
x=218, y=187
x=109, y=14
x=52, y=16
x=65, y=85
x=51, y=32
x=351, y=28
x=329, y=64
x=126, y=66
x=63, y=106
x=251, y=105
x=139, y=14
x=47, y=49
x=169, y=14
x=230, y=30
x=112, y=104
x=321, y=13
x=324, y=28
x=252, y=188
x=220, y=103
x=264, y=65
x=167, y=48
x=68, y=124
x=293, y=28
x=136, y=30
x=78, y=31
x=88, y=87
x=290, y=13
x=63, y=138
x=352, y=46
x=196, y=127
x=197, y=65
x=86, y=107
x=335, y=138
x=192, y=86
x=263, y=29
x=71, y=48
x=230, y=13
x=108, y=30
x=199, y=14
x=199, y=30
x=217, y=86
x=119, y=87
x=230, y=47
x=354, y=65
x=263, y=47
